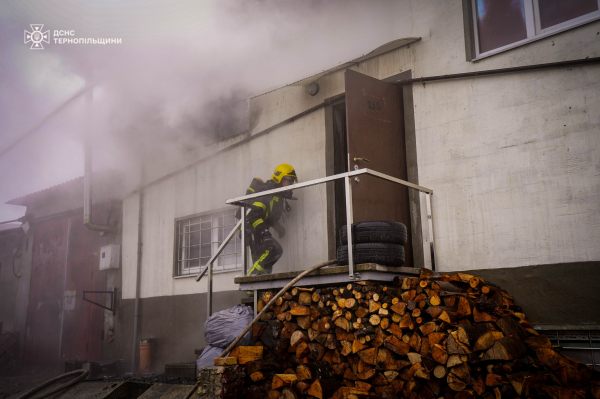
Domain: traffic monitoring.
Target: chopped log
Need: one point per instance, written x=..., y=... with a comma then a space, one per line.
x=507, y=348
x=439, y=354
x=406, y=322
x=304, y=322
x=463, y=307
x=342, y=323
x=267, y=316
x=331, y=342
x=314, y=370
x=342, y=335
x=299, y=310
x=425, y=347
x=336, y=314
x=428, y=328
x=511, y=327
x=324, y=324
x=455, y=383
x=385, y=323
x=395, y=330
x=267, y=338
x=256, y=376
x=395, y=345
x=346, y=348
x=317, y=351
x=361, y=311
x=413, y=357
x=399, y=308
x=305, y=298
x=273, y=394
x=540, y=341
x=283, y=380
x=297, y=337
x=313, y=334
x=482, y=317
x=396, y=317
x=484, y=342
x=454, y=360
x=225, y=361
x=350, y=393
x=246, y=354
x=374, y=320
x=437, y=338
x=288, y=394
x=462, y=372
x=439, y=371
x=368, y=356
x=415, y=342
x=357, y=346
x=373, y=306
x=492, y=380
x=303, y=350
x=453, y=346
x=324, y=388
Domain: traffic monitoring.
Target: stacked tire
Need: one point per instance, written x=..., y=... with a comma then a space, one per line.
x=374, y=242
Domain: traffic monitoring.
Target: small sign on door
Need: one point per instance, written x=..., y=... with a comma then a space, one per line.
x=69, y=302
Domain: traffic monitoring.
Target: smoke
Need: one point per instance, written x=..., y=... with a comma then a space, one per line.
x=178, y=81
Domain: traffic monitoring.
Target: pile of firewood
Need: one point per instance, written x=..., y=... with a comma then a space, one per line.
x=428, y=337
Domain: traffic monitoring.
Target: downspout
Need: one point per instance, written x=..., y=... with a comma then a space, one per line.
x=87, y=175
x=136, y=313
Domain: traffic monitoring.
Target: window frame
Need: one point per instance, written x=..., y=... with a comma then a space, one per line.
x=178, y=271
x=532, y=23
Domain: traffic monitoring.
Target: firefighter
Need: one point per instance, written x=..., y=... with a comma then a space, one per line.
x=265, y=213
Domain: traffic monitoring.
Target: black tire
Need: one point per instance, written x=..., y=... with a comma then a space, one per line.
x=373, y=252
x=394, y=232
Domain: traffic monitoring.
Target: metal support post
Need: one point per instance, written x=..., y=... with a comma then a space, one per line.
x=255, y=302
x=430, y=221
x=348, y=182
x=243, y=249
x=209, y=290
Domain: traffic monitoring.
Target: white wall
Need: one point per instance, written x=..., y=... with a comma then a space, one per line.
x=514, y=160
x=206, y=188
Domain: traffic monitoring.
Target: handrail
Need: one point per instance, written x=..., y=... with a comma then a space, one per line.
x=242, y=201
x=237, y=200
x=220, y=249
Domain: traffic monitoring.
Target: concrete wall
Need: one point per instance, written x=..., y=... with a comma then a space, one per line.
x=175, y=323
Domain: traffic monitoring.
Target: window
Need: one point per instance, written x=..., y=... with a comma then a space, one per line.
x=198, y=237
x=494, y=26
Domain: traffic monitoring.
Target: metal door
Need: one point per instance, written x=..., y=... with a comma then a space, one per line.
x=375, y=132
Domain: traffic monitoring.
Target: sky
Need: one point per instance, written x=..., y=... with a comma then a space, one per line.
x=176, y=62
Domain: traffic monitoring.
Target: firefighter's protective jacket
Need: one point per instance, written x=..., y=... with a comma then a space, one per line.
x=265, y=211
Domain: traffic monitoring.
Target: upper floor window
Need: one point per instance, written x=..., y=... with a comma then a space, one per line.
x=198, y=237
x=499, y=25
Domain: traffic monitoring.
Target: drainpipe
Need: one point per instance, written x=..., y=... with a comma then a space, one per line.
x=136, y=313
x=87, y=176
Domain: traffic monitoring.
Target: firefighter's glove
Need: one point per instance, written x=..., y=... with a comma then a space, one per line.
x=280, y=230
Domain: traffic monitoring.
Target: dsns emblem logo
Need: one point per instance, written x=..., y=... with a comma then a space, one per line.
x=36, y=37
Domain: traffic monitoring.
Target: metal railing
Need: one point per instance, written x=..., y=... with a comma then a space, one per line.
x=241, y=201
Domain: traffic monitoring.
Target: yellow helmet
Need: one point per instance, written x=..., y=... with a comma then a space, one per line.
x=284, y=171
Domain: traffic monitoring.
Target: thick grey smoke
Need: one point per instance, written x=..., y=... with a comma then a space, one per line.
x=168, y=87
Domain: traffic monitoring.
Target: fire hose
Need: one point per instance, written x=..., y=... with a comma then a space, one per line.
x=84, y=374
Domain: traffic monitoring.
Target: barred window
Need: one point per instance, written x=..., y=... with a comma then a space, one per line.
x=499, y=25
x=198, y=237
